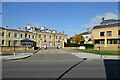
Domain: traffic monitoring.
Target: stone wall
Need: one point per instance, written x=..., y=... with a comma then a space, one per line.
x=18, y=48
x=71, y=47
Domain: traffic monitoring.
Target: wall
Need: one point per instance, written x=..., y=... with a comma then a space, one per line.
x=96, y=35
x=71, y=47
x=4, y=49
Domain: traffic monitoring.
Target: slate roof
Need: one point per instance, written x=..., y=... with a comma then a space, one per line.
x=27, y=40
x=86, y=33
x=105, y=26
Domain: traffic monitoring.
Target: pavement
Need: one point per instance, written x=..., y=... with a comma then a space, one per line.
x=18, y=55
x=56, y=64
x=92, y=56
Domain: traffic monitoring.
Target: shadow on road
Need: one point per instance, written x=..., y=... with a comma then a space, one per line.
x=112, y=69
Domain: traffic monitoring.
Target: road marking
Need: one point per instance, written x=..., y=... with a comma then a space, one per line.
x=70, y=68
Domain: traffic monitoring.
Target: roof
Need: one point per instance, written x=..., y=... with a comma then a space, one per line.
x=27, y=40
x=86, y=33
x=105, y=26
x=110, y=21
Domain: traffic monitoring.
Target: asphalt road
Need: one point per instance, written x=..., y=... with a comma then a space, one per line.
x=57, y=64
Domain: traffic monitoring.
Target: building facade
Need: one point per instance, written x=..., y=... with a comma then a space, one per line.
x=87, y=36
x=106, y=36
x=40, y=36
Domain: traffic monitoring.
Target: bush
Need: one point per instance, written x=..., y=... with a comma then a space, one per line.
x=71, y=45
x=89, y=46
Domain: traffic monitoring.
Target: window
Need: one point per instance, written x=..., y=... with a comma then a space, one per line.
x=109, y=41
x=21, y=35
x=2, y=34
x=15, y=35
x=56, y=37
x=64, y=38
x=109, y=33
x=3, y=42
x=50, y=37
x=39, y=35
x=9, y=43
x=29, y=36
x=15, y=43
x=45, y=36
x=118, y=32
x=9, y=35
x=102, y=42
x=25, y=35
x=60, y=37
x=102, y=33
x=86, y=37
x=115, y=41
x=33, y=36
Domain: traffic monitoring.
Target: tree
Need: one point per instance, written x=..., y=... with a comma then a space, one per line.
x=79, y=39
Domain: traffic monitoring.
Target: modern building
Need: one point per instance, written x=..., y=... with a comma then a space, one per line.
x=106, y=36
x=87, y=36
x=31, y=36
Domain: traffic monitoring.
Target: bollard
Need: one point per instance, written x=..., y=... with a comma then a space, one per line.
x=101, y=55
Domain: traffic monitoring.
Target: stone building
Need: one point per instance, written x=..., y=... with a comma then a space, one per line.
x=31, y=35
x=106, y=36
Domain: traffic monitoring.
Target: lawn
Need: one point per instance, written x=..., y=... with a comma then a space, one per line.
x=104, y=52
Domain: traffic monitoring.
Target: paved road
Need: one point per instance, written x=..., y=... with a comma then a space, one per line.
x=54, y=63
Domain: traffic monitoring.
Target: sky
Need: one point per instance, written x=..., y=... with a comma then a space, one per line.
x=70, y=17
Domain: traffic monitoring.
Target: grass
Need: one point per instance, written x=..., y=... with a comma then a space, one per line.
x=104, y=52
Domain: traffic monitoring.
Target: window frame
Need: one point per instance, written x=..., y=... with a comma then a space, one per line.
x=101, y=33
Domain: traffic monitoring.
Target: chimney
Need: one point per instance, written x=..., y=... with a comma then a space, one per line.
x=103, y=19
x=28, y=24
x=25, y=28
x=45, y=29
x=6, y=27
x=19, y=29
x=87, y=29
x=62, y=32
x=33, y=29
x=28, y=27
x=49, y=30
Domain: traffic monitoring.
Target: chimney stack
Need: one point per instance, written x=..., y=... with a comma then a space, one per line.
x=33, y=29
x=62, y=32
x=6, y=27
x=28, y=27
x=45, y=29
x=19, y=29
x=87, y=29
x=103, y=19
x=25, y=28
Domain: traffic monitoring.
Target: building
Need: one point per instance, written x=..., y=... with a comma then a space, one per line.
x=31, y=36
x=106, y=36
x=87, y=36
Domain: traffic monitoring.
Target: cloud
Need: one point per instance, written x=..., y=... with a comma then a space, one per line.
x=96, y=20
